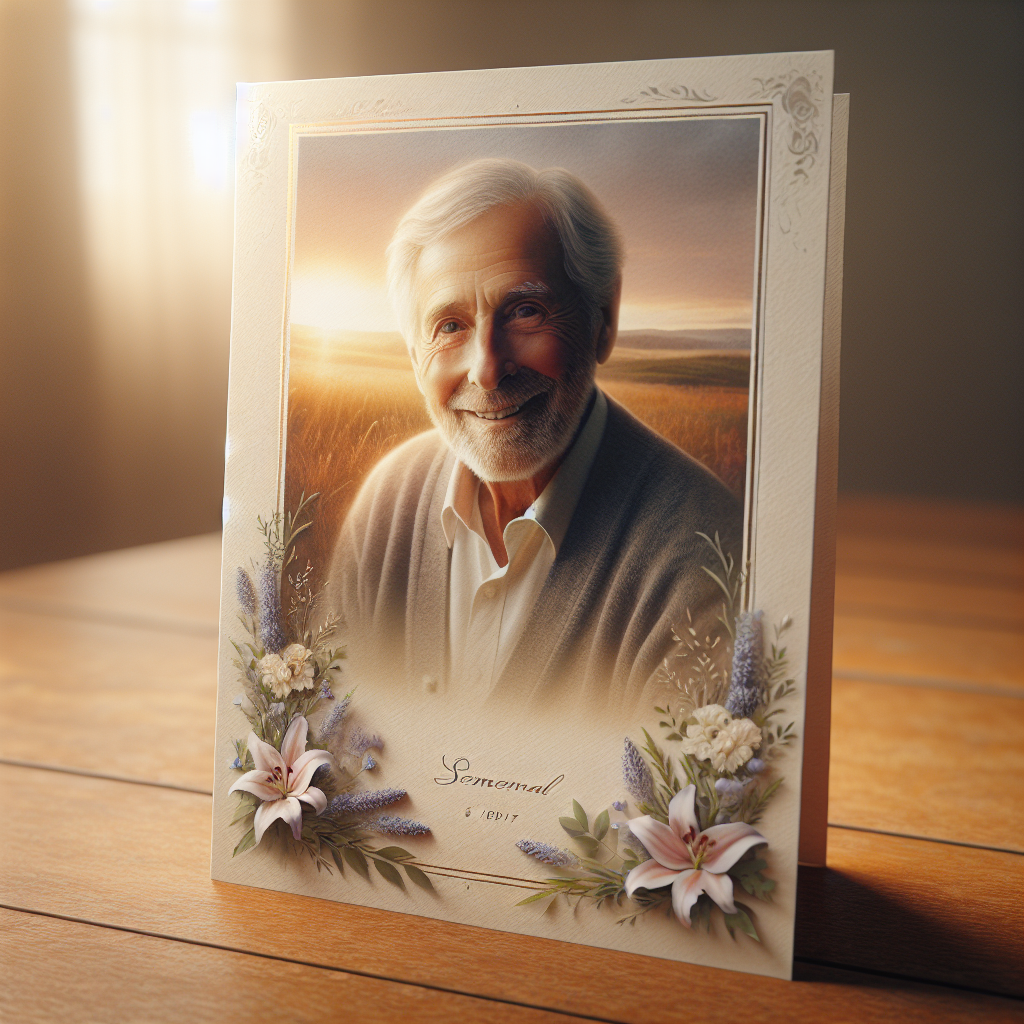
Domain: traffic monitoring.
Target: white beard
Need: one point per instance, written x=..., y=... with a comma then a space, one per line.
x=542, y=434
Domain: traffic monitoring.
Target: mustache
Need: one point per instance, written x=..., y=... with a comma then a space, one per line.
x=515, y=390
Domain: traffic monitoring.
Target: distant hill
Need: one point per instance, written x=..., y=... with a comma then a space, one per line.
x=723, y=337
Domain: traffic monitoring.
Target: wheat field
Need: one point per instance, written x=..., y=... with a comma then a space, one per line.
x=343, y=418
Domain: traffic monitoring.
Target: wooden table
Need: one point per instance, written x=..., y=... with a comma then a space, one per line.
x=106, y=754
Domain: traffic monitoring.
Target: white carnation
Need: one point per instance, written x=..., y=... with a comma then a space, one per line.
x=290, y=670
x=735, y=745
x=702, y=733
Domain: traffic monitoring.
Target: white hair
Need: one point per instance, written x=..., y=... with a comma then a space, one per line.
x=591, y=245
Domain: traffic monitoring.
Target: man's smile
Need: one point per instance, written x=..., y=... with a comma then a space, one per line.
x=500, y=415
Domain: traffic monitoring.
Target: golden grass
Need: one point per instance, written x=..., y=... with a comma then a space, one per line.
x=343, y=418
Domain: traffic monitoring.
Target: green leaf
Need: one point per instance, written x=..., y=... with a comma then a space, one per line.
x=394, y=853
x=246, y=842
x=356, y=859
x=601, y=825
x=581, y=816
x=417, y=876
x=571, y=825
x=587, y=843
x=741, y=920
x=337, y=860
x=748, y=867
x=245, y=808
x=536, y=896
x=390, y=872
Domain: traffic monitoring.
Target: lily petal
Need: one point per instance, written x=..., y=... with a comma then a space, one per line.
x=719, y=888
x=288, y=810
x=256, y=783
x=315, y=798
x=650, y=875
x=294, y=742
x=731, y=842
x=685, y=891
x=682, y=814
x=265, y=755
x=304, y=767
x=661, y=842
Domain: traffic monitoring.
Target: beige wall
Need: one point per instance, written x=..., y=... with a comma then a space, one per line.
x=115, y=235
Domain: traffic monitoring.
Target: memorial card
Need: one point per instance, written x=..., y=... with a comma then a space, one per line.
x=530, y=466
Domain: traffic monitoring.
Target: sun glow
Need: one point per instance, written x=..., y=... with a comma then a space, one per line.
x=340, y=302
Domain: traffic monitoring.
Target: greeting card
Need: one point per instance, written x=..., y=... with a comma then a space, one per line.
x=530, y=465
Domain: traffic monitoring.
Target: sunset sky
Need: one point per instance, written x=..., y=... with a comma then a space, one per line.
x=683, y=193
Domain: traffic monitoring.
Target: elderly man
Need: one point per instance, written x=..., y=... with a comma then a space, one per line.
x=540, y=543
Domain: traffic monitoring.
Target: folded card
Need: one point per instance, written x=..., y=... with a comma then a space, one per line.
x=530, y=473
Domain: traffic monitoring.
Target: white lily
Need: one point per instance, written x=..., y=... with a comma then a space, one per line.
x=281, y=778
x=690, y=860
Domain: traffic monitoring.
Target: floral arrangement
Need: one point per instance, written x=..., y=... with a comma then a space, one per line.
x=289, y=780
x=693, y=841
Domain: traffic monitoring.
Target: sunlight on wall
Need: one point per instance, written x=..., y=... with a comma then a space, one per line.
x=155, y=95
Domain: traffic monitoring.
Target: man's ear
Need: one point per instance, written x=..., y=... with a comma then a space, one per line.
x=609, y=329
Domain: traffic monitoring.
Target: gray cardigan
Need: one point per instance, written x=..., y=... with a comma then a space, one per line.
x=629, y=567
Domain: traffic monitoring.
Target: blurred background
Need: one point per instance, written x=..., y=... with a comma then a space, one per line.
x=116, y=223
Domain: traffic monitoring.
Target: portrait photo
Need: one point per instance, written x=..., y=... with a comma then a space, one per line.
x=518, y=381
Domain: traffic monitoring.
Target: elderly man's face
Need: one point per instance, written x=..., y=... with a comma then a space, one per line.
x=506, y=349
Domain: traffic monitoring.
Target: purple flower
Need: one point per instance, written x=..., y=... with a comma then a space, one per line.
x=636, y=775
x=333, y=720
x=755, y=766
x=272, y=635
x=363, y=803
x=245, y=591
x=369, y=764
x=389, y=825
x=235, y=763
x=747, y=660
x=360, y=742
x=619, y=805
x=548, y=854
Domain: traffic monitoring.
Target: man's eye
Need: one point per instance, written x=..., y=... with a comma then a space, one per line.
x=526, y=311
x=450, y=326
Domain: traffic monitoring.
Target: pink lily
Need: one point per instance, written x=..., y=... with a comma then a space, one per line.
x=691, y=860
x=281, y=778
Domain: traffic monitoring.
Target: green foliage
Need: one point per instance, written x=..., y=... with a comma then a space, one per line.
x=330, y=842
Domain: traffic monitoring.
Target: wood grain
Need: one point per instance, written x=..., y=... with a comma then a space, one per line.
x=928, y=762
x=933, y=601
x=123, y=701
x=141, y=856
x=977, y=657
x=83, y=974
x=950, y=522
x=176, y=583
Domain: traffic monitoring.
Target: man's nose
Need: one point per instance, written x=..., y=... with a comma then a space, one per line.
x=490, y=359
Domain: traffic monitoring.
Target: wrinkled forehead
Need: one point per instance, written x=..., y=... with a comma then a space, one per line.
x=504, y=248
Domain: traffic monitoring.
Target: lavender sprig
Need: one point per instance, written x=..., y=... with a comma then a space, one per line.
x=361, y=742
x=389, y=825
x=246, y=591
x=548, y=854
x=636, y=775
x=747, y=660
x=363, y=803
x=272, y=634
x=333, y=720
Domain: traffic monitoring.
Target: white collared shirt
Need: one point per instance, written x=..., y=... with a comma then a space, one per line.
x=488, y=604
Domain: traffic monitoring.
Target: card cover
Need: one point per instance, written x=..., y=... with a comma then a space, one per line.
x=529, y=430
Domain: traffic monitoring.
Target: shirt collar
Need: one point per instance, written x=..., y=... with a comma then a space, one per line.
x=554, y=508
